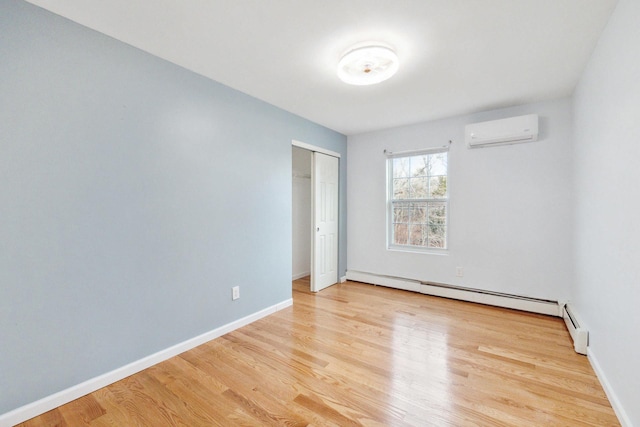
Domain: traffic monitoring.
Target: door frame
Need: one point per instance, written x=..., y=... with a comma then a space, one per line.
x=316, y=149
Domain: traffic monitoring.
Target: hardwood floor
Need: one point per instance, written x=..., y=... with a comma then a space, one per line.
x=357, y=354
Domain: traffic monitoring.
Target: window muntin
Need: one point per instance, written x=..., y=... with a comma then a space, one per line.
x=418, y=200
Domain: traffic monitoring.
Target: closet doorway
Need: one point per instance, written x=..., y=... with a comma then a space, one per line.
x=315, y=183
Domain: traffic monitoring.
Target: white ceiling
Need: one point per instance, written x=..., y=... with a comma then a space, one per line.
x=456, y=56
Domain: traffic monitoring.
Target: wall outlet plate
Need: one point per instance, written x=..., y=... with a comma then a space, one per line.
x=235, y=292
x=459, y=271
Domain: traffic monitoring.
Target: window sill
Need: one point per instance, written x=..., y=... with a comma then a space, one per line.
x=414, y=250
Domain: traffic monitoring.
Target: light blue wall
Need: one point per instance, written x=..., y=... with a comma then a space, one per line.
x=606, y=292
x=133, y=195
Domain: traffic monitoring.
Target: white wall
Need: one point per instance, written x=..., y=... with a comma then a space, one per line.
x=510, y=212
x=607, y=197
x=301, y=161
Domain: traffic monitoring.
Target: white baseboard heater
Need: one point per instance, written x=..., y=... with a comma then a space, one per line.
x=517, y=302
x=578, y=333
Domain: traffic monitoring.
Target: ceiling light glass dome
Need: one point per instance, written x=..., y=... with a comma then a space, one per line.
x=368, y=65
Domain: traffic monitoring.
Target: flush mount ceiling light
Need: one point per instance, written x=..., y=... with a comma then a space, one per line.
x=368, y=65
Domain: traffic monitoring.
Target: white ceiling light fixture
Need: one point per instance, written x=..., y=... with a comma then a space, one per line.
x=368, y=65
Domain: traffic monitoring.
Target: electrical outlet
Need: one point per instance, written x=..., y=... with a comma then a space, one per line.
x=235, y=292
x=459, y=271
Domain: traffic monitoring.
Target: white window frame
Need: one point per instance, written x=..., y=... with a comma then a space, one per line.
x=389, y=219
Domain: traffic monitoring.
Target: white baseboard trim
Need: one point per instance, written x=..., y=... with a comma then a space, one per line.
x=48, y=403
x=624, y=419
x=464, y=294
x=343, y=279
x=300, y=275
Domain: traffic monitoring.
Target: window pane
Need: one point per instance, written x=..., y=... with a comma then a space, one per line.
x=439, y=164
x=437, y=214
x=400, y=214
x=438, y=187
x=419, y=188
x=401, y=188
x=418, y=213
x=416, y=235
x=400, y=234
x=401, y=167
x=420, y=165
x=437, y=235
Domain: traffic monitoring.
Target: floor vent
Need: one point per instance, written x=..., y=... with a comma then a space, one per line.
x=579, y=334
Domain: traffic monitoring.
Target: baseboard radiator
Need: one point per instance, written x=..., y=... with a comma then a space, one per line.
x=578, y=333
x=481, y=296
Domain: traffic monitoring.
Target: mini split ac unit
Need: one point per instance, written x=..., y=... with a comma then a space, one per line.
x=513, y=130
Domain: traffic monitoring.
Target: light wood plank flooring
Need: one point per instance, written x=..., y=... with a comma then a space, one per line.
x=357, y=354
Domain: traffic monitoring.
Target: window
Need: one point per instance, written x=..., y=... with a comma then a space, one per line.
x=418, y=200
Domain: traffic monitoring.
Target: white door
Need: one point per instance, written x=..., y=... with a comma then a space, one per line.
x=324, y=262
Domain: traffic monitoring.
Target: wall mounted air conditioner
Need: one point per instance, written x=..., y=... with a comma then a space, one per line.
x=513, y=130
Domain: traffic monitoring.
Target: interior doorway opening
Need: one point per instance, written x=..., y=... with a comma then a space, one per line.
x=315, y=215
x=301, y=212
